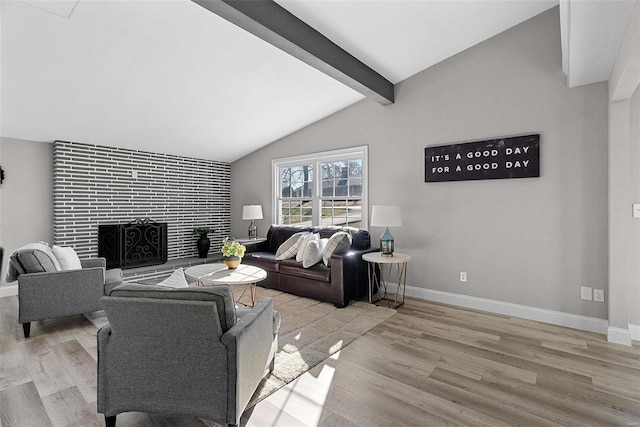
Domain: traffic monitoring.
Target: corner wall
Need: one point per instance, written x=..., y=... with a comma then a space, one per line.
x=532, y=242
x=624, y=189
x=26, y=196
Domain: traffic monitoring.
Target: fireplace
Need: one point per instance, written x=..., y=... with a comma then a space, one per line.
x=134, y=244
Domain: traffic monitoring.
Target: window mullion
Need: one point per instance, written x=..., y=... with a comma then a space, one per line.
x=317, y=194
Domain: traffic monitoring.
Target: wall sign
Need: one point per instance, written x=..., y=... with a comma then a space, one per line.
x=515, y=157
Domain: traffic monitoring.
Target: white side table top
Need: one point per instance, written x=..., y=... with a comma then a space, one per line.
x=221, y=275
x=378, y=258
x=250, y=240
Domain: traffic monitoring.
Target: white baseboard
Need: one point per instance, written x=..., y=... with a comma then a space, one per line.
x=635, y=332
x=619, y=336
x=585, y=323
x=9, y=290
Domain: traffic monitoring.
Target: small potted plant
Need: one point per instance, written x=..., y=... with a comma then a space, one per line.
x=203, y=242
x=233, y=252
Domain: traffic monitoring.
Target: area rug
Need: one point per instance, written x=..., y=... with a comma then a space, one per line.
x=310, y=332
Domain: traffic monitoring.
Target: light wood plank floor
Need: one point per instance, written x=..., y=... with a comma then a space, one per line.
x=428, y=365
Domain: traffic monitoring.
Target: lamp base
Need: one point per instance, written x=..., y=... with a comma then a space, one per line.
x=386, y=243
x=253, y=230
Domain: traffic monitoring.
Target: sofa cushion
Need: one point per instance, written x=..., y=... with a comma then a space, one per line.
x=32, y=258
x=67, y=257
x=289, y=249
x=305, y=242
x=360, y=239
x=265, y=260
x=220, y=294
x=319, y=271
x=339, y=242
x=313, y=252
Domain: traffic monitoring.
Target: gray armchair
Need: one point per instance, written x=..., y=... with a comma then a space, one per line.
x=182, y=351
x=51, y=294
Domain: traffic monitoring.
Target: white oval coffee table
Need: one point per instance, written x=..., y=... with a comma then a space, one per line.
x=220, y=274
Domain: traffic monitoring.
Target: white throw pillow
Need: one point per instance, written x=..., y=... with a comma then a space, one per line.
x=176, y=280
x=338, y=242
x=289, y=248
x=67, y=257
x=313, y=252
x=309, y=237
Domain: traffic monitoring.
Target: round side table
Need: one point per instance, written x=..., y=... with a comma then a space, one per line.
x=389, y=268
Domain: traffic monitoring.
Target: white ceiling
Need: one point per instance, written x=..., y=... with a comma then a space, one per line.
x=169, y=76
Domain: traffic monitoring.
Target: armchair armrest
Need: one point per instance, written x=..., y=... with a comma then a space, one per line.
x=349, y=277
x=94, y=262
x=60, y=293
x=103, y=336
x=248, y=345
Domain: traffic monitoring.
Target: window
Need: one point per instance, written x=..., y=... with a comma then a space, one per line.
x=322, y=189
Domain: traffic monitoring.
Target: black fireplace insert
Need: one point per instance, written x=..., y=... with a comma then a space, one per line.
x=135, y=244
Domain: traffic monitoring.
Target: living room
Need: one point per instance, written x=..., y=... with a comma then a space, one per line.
x=527, y=246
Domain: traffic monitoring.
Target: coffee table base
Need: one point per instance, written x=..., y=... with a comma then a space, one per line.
x=250, y=286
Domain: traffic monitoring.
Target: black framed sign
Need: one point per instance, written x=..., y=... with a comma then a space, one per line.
x=514, y=157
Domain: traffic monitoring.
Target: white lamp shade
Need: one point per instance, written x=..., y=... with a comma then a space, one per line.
x=252, y=212
x=385, y=216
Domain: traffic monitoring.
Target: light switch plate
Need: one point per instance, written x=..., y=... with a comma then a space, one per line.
x=636, y=210
x=585, y=293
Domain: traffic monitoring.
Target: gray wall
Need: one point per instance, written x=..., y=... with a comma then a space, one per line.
x=527, y=241
x=26, y=196
x=634, y=300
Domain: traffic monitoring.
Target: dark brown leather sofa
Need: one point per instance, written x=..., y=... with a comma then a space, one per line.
x=344, y=280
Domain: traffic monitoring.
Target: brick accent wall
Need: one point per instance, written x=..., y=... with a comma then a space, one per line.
x=96, y=185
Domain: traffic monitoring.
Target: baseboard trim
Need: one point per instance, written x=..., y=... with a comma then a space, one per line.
x=635, y=332
x=575, y=321
x=585, y=323
x=619, y=336
x=9, y=290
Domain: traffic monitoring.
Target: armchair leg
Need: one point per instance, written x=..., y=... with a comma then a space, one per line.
x=110, y=421
x=26, y=327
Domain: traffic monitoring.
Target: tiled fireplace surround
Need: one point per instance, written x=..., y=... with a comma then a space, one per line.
x=103, y=185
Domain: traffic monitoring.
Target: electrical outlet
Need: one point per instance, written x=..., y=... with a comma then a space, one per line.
x=463, y=276
x=598, y=295
x=134, y=174
x=585, y=293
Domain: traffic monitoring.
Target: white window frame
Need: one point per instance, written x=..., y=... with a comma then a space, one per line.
x=316, y=159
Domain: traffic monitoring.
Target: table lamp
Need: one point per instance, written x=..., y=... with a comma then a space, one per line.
x=386, y=216
x=252, y=212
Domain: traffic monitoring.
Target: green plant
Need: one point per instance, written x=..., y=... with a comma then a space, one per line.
x=232, y=248
x=203, y=230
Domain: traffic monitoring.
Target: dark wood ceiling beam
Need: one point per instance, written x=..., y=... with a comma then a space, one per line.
x=274, y=24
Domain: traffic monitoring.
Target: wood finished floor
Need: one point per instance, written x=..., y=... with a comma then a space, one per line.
x=428, y=365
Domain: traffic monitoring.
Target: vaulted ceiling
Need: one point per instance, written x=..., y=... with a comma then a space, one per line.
x=170, y=76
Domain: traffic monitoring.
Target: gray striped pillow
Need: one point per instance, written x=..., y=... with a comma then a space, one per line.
x=338, y=242
x=290, y=247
